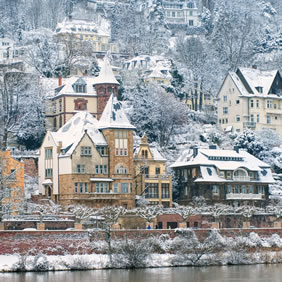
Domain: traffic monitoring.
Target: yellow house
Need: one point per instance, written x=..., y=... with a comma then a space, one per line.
x=151, y=178
x=11, y=184
x=250, y=98
x=98, y=34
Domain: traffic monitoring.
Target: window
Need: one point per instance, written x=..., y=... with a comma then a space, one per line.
x=229, y=189
x=252, y=118
x=215, y=190
x=243, y=189
x=48, y=153
x=225, y=98
x=101, y=187
x=269, y=104
x=152, y=190
x=228, y=174
x=81, y=187
x=60, y=105
x=238, y=118
x=221, y=174
x=105, y=169
x=121, y=143
x=268, y=119
x=124, y=187
x=260, y=190
x=237, y=101
x=191, y=22
x=121, y=169
x=80, y=104
x=257, y=117
x=190, y=5
x=276, y=118
x=158, y=170
x=85, y=151
x=257, y=103
x=236, y=189
x=251, y=189
x=48, y=172
x=80, y=168
x=102, y=150
x=144, y=154
x=225, y=110
x=75, y=187
x=251, y=103
x=165, y=191
x=115, y=187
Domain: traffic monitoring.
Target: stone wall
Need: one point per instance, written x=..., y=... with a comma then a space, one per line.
x=79, y=242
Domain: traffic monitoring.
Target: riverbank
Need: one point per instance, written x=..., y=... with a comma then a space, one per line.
x=41, y=263
x=184, y=248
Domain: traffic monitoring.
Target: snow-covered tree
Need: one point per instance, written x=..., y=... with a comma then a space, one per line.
x=149, y=212
x=21, y=107
x=81, y=212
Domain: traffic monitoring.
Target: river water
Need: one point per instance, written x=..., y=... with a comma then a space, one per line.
x=252, y=273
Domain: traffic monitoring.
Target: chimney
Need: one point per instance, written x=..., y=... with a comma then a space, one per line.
x=195, y=151
x=236, y=149
x=212, y=147
x=60, y=80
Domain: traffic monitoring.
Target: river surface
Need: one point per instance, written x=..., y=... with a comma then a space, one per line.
x=253, y=273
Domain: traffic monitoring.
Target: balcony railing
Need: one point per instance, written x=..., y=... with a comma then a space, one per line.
x=241, y=196
x=241, y=178
x=249, y=124
x=157, y=176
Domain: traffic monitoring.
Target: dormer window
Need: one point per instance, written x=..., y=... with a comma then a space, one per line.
x=259, y=89
x=80, y=86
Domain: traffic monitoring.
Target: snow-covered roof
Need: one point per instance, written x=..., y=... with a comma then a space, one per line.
x=68, y=89
x=225, y=159
x=255, y=79
x=73, y=131
x=113, y=116
x=77, y=26
x=106, y=74
x=146, y=62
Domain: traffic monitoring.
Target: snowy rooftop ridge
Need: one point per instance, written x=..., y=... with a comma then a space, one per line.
x=113, y=116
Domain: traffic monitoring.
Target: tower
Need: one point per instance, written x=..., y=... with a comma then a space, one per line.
x=105, y=85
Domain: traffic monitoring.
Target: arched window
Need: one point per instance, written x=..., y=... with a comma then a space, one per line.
x=120, y=169
x=241, y=174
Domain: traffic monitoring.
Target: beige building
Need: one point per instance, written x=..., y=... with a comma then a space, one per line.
x=250, y=98
x=89, y=161
x=96, y=33
x=81, y=93
x=151, y=178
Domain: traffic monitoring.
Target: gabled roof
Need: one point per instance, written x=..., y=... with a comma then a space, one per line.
x=113, y=116
x=106, y=74
x=248, y=79
x=74, y=130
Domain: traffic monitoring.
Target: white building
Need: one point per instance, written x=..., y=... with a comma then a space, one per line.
x=181, y=12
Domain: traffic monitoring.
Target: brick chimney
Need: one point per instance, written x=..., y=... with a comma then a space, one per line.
x=60, y=81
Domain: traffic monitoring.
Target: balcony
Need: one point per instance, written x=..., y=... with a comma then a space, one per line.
x=157, y=176
x=249, y=124
x=241, y=178
x=233, y=196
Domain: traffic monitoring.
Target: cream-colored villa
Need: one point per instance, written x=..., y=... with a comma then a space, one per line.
x=250, y=98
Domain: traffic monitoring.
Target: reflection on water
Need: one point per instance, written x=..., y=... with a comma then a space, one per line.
x=253, y=273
